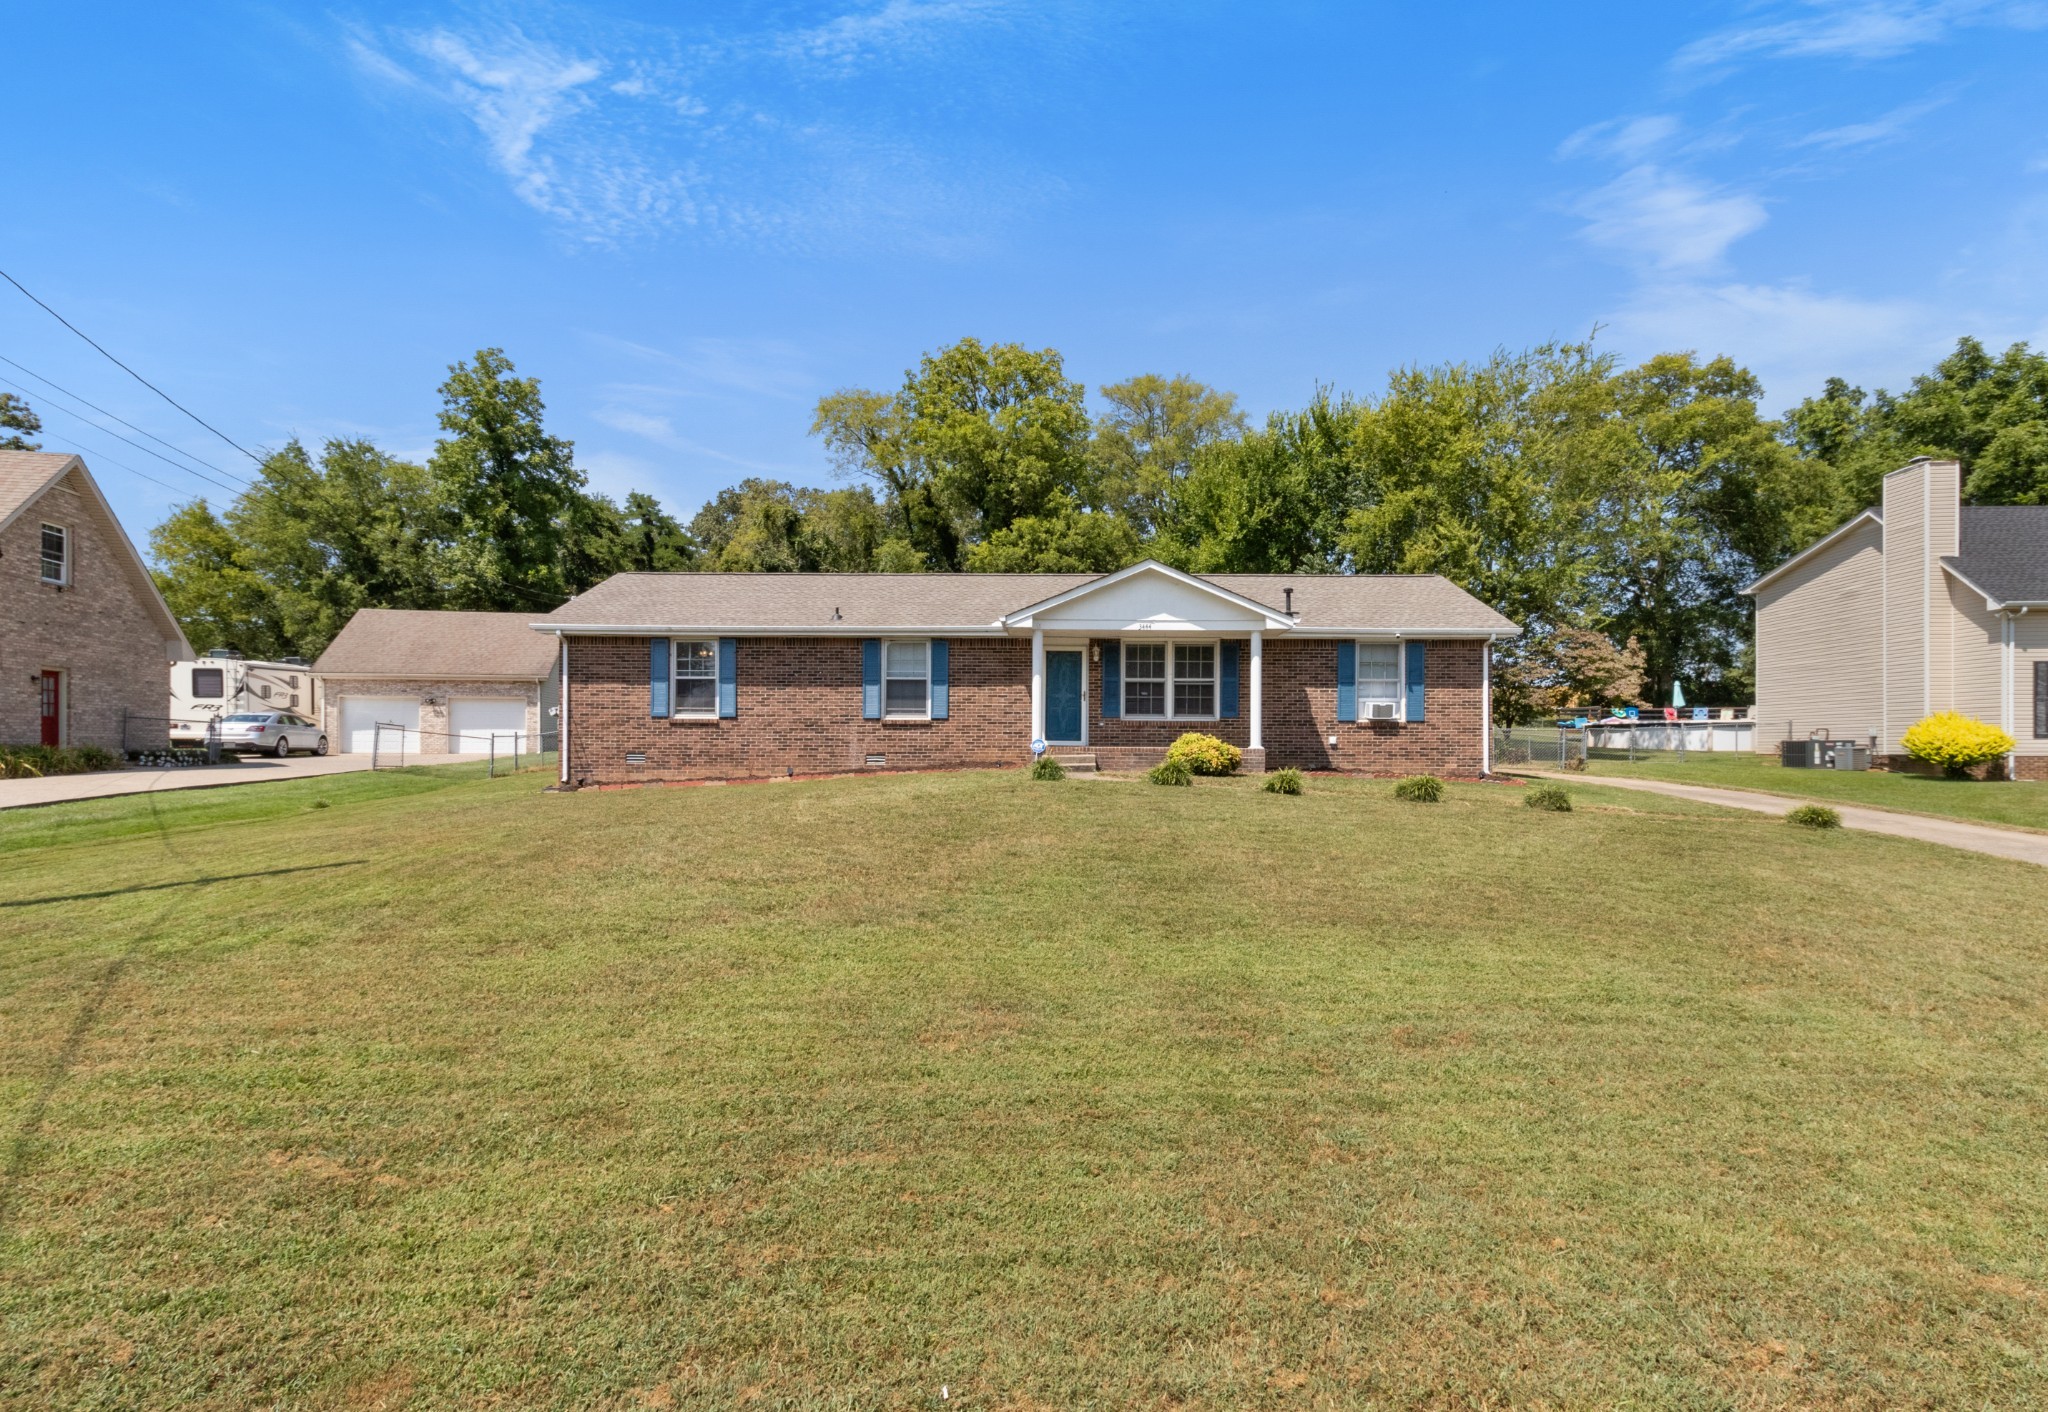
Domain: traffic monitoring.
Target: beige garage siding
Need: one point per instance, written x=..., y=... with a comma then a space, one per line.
x=1820, y=643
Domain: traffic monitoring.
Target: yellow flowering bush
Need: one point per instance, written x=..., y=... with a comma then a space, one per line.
x=1955, y=742
x=1205, y=754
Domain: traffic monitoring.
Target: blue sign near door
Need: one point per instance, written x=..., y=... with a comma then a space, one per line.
x=1063, y=696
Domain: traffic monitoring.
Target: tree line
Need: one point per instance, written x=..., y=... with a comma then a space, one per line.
x=1616, y=511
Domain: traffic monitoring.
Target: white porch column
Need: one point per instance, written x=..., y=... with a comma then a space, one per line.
x=1038, y=684
x=1258, y=690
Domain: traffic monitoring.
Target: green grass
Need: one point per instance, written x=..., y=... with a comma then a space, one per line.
x=1089, y=1094
x=2021, y=804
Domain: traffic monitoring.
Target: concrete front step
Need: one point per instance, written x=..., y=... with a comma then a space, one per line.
x=1076, y=762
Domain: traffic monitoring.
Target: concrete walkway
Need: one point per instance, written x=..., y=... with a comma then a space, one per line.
x=1951, y=833
x=259, y=769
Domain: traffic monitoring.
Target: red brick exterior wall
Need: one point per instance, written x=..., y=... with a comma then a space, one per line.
x=800, y=701
x=100, y=631
x=799, y=710
x=1301, y=714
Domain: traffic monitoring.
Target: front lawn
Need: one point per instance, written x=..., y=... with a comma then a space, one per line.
x=1088, y=1094
x=2020, y=804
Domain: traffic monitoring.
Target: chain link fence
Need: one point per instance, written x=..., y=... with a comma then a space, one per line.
x=1555, y=747
x=395, y=746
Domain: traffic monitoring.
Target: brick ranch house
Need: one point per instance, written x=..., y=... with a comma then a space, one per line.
x=86, y=641
x=727, y=676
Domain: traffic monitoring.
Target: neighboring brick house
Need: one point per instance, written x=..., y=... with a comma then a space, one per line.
x=717, y=676
x=86, y=641
x=437, y=683
x=1923, y=604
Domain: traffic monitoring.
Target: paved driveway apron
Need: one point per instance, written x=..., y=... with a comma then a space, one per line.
x=59, y=789
x=1953, y=833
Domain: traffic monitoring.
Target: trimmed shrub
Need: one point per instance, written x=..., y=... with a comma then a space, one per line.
x=1814, y=816
x=1171, y=771
x=27, y=762
x=1205, y=754
x=1047, y=768
x=1955, y=742
x=1420, y=789
x=1549, y=797
x=1286, y=781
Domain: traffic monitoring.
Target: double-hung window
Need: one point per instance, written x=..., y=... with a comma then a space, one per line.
x=1145, y=679
x=1170, y=681
x=907, y=679
x=696, y=676
x=1194, y=679
x=56, y=554
x=1379, y=681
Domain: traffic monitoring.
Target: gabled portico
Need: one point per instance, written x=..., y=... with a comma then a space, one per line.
x=1196, y=625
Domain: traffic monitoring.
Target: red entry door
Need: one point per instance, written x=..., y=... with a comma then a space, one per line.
x=52, y=695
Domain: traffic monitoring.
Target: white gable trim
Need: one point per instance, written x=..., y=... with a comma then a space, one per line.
x=1868, y=516
x=1026, y=617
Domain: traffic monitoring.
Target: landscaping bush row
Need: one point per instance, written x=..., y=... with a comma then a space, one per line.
x=28, y=762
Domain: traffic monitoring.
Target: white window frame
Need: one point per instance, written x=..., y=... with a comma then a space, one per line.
x=63, y=579
x=676, y=678
x=924, y=644
x=1400, y=693
x=1173, y=677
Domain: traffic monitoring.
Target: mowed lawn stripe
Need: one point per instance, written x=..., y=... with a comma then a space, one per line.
x=1088, y=1094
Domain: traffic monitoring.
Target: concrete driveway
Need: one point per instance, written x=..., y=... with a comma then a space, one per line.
x=1928, y=828
x=59, y=789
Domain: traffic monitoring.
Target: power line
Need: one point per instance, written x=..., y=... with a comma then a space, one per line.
x=102, y=456
x=130, y=371
x=175, y=465
x=122, y=420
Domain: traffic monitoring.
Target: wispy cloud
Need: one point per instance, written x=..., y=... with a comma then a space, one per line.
x=1627, y=138
x=1668, y=220
x=1884, y=128
x=1859, y=29
x=629, y=131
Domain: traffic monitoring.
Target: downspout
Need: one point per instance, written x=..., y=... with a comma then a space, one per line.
x=2011, y=645
x=562, y=705
x=1486, y=707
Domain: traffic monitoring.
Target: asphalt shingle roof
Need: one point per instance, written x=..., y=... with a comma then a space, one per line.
x=407, y=642
x=795, y=602
x=24, y=474
x=2004, y=551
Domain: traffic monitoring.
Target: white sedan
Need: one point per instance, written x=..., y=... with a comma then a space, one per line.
x=278, y=732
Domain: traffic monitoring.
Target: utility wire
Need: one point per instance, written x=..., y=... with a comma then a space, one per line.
x=103, y=458
x=175, y=465
x=130, y=371
x=122, y=420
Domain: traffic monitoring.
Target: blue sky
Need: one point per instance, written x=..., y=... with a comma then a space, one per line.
x=692, y=221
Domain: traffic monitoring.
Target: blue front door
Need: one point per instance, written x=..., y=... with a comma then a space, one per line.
x=1063, y=696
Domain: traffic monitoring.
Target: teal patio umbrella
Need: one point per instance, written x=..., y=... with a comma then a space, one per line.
x=1677, y=694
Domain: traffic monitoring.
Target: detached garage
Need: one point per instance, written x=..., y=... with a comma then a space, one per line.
x=439, y=683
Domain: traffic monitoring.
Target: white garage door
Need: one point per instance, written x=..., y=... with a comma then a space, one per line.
x=473, y=720
x=360, y=716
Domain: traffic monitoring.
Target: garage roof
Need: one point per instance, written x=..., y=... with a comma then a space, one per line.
x=438, y=646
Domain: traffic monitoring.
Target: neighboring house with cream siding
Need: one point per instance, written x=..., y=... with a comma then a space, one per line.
x=1923, y=604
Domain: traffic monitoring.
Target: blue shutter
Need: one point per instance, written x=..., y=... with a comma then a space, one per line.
x=1416, y=661
x=1347, y=681
x=728, y=677
x=1112, y=681
x=657, y=677
x=871, y=678
x=940, y=691
x=1226, y=684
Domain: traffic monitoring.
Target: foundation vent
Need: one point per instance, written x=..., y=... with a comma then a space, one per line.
x=636, y=757
x=878, y=759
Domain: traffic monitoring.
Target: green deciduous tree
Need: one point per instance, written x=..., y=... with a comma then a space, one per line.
x=1146, y=442
x=1064, y=540
x=514, y=488
x=17, y=417
x=1272, y=501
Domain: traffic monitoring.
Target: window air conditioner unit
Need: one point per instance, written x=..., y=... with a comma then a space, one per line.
x=1379, y=711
